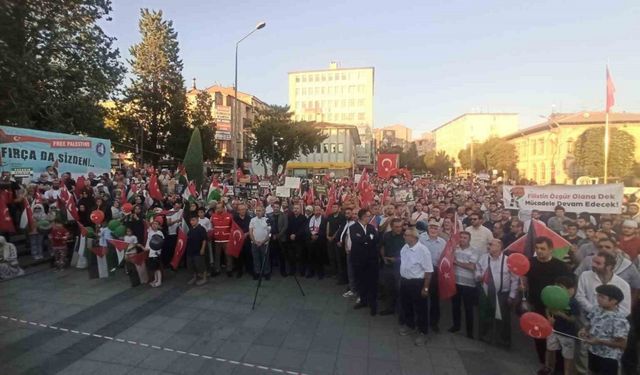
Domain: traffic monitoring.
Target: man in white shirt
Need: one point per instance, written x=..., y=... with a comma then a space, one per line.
x=435, y=244
x=481, y=236
x=416, y=269
x=465, y=259
x=259, y=230
x=174, y=221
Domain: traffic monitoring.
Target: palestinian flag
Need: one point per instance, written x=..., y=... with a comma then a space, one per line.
x=131, y=195
x=526, y=243
x=190, y=194
x=182, y=172
x=120, y=247
x=81, y=261
x=101, y=268
x=214, y=191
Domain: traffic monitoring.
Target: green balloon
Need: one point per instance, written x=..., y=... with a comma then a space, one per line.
x=113, y=224
x=120, y=231
x=90, y=232
x=555, y=297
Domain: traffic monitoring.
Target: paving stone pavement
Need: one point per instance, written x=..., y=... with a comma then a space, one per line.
x=211, y=329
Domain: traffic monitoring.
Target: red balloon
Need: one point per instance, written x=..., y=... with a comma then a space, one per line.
x=127, y=208
x=97, y=217
x=535, y=325
x=518, y=264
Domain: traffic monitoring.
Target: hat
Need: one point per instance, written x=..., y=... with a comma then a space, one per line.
x=308, y=208
x=630, y=224
x=421, y=226
x=434, y=223
x=610, y=291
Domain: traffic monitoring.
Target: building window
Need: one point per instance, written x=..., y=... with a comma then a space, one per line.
x=333, y=148
x=352, y=102
x=570, y=145
x=297, y=78
x=304, y=91
x=361, y=102
x=304, y=78
x=543, y=174
x=340, y=148
x=534, y=173
x=297, y=91
x=318, y=149
x=533, y=147
x=344, y=76
x=324, y=77
x=330, y=77
x=322, y=91
x=218, y=99
x=541, y=146
x=361, y=116
x=317, y=77
x=325, y=148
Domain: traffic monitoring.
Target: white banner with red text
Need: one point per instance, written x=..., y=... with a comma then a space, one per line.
x=595, y=199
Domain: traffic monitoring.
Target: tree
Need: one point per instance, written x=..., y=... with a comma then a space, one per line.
x=494, y=153
x=200, y=117
x=156, y=94
x=193, y=158
x=438, y=163
x=589, y=152
x=293, y=138
x=56, y=65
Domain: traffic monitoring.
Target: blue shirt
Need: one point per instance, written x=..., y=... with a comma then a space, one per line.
x=435, y=246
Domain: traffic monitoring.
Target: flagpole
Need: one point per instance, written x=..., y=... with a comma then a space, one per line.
x=606, y=146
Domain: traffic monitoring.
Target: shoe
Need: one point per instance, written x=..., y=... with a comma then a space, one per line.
x=453, y=329
x=192, y=281
x=358, y=300
x=201, y=282
x=386, y=312
x=405, y=331
x=359, y=305
x=435, y=328
x=348, y=294
x=421, y=340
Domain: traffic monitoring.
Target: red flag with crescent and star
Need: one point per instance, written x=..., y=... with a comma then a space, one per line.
x=446, y=273
x=181, y=246
x=236, y=240
x=386, y=164
x=6, y=223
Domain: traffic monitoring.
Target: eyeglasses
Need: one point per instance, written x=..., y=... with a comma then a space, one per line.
x=474, y=219
x=605, y=247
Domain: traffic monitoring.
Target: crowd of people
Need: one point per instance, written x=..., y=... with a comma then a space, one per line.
x=385, y=251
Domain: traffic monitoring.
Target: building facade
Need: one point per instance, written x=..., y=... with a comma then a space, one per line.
x=425, y=143
x=336, y=95
x=460, y=132
x=223, y=103
x=546, y=150
x=393, y=135
x=337, y=153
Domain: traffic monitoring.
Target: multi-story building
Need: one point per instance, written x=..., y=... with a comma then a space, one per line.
x=223, y=103
x=392, y=135
x=546, y=150
x=336, y=154
x=458, y=133
x=336, y=95
x=425, y=143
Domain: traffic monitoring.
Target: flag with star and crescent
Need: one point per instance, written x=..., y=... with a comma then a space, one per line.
x=386, y=164
x=446, y=273
x=236, y=240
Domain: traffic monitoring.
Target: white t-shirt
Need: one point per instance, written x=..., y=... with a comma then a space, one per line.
x=465, y=276
x=415, y=261
x=205, y=223
x=176, y=216
x=131, y=239
x=52, y=194
x=480, y=238
x=150, y=234
x=260, y=227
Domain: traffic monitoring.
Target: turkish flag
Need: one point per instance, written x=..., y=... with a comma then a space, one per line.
x=6, y=223
x=386, y=164
x=331, y=201
x=446, y=274
x=181, y=246
x=81, y=184
x=236, y=240
x=154, y=188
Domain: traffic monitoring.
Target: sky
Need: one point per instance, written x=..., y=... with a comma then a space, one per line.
x=434, y=59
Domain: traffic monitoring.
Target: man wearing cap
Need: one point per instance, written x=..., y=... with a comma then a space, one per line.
x=416, y=272
x=629, y=240
x=435, y=244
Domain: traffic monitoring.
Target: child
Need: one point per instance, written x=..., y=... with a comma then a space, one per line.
x=58, y=237
x=36, y=235
x=606, y=332
x=564, y=322
x=154, y=254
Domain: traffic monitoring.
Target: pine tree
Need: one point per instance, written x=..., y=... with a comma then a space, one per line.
x=193, y=158
x=156, y=94
x=589, y=152
x=200, y=117
x=56, y=65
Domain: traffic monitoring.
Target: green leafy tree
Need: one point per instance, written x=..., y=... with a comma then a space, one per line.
x=494, y=153
x=56, y=65
x=193, y=158
x=156, y=96
x=200, y=117
x=589, y=152
x=293, y=138
x=438, y=163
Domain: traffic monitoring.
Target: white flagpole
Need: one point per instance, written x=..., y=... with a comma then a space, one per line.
x=606, y=146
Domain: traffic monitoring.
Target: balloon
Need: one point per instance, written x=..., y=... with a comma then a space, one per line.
x=535, y=325
x=44, y=225
x=97, y=217
x=127, y=208
x=90, y=232
x=156, y=242
x=518, y=264
x=555, y=297
x=113, y=224
x=120, y=231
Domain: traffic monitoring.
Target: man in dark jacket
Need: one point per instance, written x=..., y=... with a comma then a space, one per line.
x=364, y=257
x=316, y=229
x=279, y=223
x=296, y=237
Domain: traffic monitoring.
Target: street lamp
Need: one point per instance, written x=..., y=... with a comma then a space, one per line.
x=234, y=110
x=274, y=143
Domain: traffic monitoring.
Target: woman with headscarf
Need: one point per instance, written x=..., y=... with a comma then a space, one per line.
x=9, y=267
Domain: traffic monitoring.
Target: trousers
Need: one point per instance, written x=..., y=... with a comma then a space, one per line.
x=415, y=308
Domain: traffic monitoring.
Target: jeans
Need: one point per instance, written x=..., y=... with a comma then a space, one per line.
x=260, y=257
x=36, y=242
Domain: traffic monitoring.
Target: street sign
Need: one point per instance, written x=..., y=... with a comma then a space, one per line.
x=21, y=172
x=223, y=136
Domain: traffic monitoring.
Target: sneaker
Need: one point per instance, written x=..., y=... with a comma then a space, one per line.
x=201, y=282
x=192, y=281
x=405, y=331
x=421, y=340
x=348, y=294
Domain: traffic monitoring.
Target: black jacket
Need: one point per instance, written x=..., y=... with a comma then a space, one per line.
x=364, y=245
x=297, y=225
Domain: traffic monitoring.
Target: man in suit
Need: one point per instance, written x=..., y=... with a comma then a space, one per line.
x=364, y=256
x=296, y=233
x=316, y=244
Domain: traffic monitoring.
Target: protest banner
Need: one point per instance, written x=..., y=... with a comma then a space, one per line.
x=283, y=191
x=292, y=182
x=403, y=195
x=597, y=199
x=36, y=150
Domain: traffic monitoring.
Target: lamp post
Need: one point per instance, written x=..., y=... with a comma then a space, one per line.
x=274, y=143
x=234, y=111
